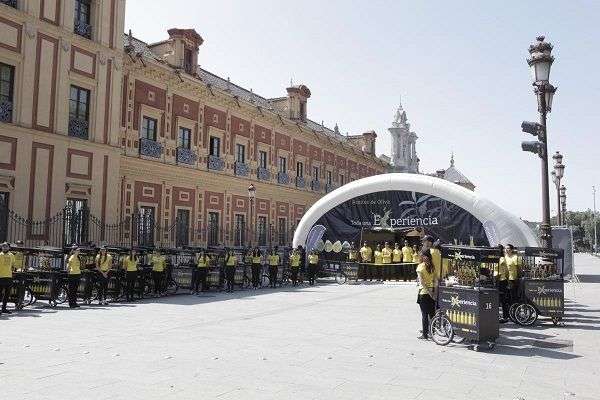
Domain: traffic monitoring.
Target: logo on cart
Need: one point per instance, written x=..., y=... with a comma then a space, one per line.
x=387, y=221
x=459, y=256
x=456, y=301
x=544, y=290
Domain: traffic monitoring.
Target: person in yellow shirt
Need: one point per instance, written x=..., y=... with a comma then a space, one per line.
x=416, y=259
x=19, y=257
x=103, y=266
x=313, y=265
x=230, y=264
x=386, y=260
x=200, y=273
x=436, y=259
x=513, y=265
x=256, y=267
x=407, y=257
x=130, y=264
x=158, y=262
x=7, y=261
x=426, y=296
x=378, y=261
x=295, y=266
x=273, y=267
x=397, y=270
x=366, y=255
x=74, y=272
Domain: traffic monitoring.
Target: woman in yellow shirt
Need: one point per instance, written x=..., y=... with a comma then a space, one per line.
x=200, y=273
x=378, y=257
x=158, y=262
x=295, y=265
x=313, y=264
x=74, y=272
x=256, y=267
x=230, y=263
x=513, y=264
x=273, y=267
x=425, y=298
x=7, y=261
x=103, y=266
x=130, y=264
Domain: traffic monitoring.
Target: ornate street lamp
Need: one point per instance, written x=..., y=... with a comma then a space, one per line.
x=251, y=197
x=540, y=61
x=557, y=175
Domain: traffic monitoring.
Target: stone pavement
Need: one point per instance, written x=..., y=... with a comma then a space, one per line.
x=326, y=342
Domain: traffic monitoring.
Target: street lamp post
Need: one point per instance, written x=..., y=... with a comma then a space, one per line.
x=540, y=62
x=251, y=197
x=563, y=203
x=594, y=220
x=557, y=175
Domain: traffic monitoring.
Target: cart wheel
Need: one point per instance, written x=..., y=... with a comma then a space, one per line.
x=556, y=320
x=52, y=303
x=476, y=347
x=440, y=330
x=62, y=295
x=28, y=298
x=491, y=345
x=265, y=281
x=526, y=315
x=341, y=278
x=511, y=312
x=458, y=339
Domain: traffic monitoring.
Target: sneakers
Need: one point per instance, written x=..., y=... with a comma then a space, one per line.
x=422, y=337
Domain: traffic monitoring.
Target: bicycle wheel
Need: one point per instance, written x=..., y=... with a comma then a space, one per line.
x=440, y=330
x=341, y=278
x=511, y=312
x=29, y=297
x=526, y=315
x=265, y=281
x=62, y=295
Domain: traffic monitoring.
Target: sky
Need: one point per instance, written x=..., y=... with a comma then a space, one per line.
x=458, y=66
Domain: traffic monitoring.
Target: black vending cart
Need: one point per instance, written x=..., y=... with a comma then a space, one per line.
x=542, y=287
x=467, y=297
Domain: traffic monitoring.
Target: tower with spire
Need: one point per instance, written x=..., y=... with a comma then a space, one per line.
x=404, y=152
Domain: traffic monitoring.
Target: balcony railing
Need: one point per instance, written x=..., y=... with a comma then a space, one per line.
x=283, y=178
x=300, y=182
x=263, y=174
x=150, y=148
x=241, y=169
x=10, y=3
x=6, y=111
x=78, y=128
x=186, y=156
x=316, y=186
x=82, y=28
x=216, y=163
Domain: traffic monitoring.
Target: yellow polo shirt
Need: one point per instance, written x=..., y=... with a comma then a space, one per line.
x=74, y=265
x=7, y=261
x=106, y=264
x=366, y=253
x=426, y=279
x=232, y=260
x=295, y=260
x=407, y=254
x=129, y=264
x=513, y=264
x=397, y=255
x=386, y=255
x=203, y=261
x=273, y=259
x=378, y=257
x=313, y=259
x=158, y=263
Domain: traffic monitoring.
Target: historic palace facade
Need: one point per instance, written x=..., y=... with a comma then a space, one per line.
x=107, y=139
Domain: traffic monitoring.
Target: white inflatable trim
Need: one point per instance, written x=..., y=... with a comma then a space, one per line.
x=500, y=226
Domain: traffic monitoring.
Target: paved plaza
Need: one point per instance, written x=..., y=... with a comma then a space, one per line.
x=323, y=342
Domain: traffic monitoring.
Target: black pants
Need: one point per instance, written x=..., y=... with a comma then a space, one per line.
x=255, y=275
x=102, y=286
x=72, y=289
x=504, y=297
x=157, y=278
x=312, y=272
x=199, y=279
x=5, y=286
x=130, y=278
x=230, y=277
x=513, y=291
x=273, y=269
x=294, y=271
x=427, y=311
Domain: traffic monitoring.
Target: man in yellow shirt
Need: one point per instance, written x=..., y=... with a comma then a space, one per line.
x=158, y=263
x=425, y=298
x=295, y=265
x=256, y=267
x=396, y=260
x=513, y=265
x=230, y=264
x=200, y=273
x=313, y=264
x=7, y=261
x=130, y=264
x=386, y=260
x=377, y=263
x=407, y=257
x=366, y=255
x=273, y=259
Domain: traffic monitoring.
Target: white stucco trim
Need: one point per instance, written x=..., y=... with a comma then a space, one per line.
x=508, y=228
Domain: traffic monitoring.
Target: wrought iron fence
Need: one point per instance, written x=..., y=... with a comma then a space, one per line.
x=79, y=226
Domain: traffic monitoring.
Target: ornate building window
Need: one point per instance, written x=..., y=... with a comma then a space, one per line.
x=79, y=112
x=10, y=3
x=185, y=138
x=7, y=84
x=213, y=229
x=342, y=180
x=315, y=174
x=240, y=153
x=83, y=12
x=282, y=231
x=282, y=165
x=149, y=128
x=240, y=230
x=262, y=230
x=262, y=159
x=299, y=169
x=215, y=146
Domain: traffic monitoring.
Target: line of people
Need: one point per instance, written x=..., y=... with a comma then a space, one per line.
x=385, y=263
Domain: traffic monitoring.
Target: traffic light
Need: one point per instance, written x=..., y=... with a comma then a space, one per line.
x=533, y=128
x=533, y=147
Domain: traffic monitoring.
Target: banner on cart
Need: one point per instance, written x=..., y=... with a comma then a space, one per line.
x=395, y=210
x=547, y=296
